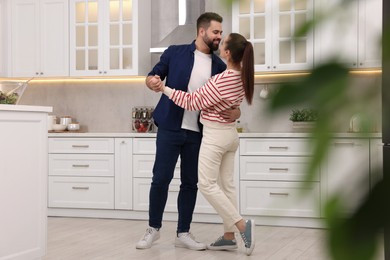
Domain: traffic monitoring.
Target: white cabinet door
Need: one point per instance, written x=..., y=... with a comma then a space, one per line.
x=270, y=26
x=103, y=37
x=347, y=171
x=351, y=33
x=370, y=34
x=3, y=43
x=376, y=161
x=25, y=38
x=54, y=36
x=39, y=38
x=123, y=173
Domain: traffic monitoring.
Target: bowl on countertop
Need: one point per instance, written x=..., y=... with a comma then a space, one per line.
x=59, y=127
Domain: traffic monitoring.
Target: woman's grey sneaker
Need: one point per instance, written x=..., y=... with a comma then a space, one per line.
x=151, y=235
x=223, y=244
x=187, y=240
x=249, y=236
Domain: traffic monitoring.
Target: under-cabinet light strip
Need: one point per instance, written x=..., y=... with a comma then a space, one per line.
x=142, y=78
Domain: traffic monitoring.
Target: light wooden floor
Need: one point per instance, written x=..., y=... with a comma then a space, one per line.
x=104, y=239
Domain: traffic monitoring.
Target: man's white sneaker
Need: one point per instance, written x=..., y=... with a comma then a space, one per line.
x=151, y=235
x=187, y=240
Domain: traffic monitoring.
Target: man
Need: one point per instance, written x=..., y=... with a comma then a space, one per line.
x=185, y=67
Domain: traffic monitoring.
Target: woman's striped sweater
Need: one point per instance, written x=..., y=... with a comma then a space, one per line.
x=221, y=92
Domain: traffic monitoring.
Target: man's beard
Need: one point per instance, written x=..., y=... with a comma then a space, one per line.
x=210, y=43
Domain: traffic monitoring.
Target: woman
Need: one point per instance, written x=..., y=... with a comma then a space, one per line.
x=220, y=139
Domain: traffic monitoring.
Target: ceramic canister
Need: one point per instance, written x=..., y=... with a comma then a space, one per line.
x=51, y=119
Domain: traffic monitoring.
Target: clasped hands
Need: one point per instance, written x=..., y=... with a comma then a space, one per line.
x=155, y=83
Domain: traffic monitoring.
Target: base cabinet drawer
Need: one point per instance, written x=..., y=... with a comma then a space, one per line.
x=141, y=197
x=279, y=146
x=81, y=192
x=81, y=145
x=272, y=168
x=88, y=165
x=287, y=199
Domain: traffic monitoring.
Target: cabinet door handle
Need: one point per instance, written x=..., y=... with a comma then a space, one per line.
x=278, y=169
x=278, y=194
x=80, y=188
x=80, y=165
x=80, y=146
x=278, y=147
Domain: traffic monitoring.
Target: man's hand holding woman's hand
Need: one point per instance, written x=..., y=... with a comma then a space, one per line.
x=155, y=83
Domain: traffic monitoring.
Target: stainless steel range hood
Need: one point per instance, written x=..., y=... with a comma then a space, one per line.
x=174, y=22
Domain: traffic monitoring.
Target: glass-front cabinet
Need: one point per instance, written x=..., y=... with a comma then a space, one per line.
x=271, y=26
x=103, y=37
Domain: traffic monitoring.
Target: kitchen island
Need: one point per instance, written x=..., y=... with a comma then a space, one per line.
x=23, y=185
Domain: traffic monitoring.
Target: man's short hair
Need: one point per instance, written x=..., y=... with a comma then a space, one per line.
x=205, y=19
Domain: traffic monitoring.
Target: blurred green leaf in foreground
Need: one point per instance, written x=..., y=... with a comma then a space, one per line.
x=356, y=235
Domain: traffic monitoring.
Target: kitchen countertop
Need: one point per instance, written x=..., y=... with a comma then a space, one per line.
x=241, y=135
x=25, y=108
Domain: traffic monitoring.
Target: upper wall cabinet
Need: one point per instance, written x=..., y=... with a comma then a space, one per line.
x=270, y=25
x=38, y=38
x=2, y=36
x=103, y=37
x=351, y=32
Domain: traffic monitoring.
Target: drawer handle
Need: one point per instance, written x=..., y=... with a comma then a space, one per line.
x=345, y=144
x=80, y=188
x=278, y=169
x=80, y=165
x=278, y=194
x=80, y=146
x=279, y=147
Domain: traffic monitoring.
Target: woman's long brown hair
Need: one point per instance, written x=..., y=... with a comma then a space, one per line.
x=241, y=51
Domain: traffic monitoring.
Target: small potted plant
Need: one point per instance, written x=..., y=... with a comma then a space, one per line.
x=303, y=119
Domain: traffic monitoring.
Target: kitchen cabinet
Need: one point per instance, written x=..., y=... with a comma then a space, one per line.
x=272, y=178
x=347, y=171
x=39, y=38
x=270, y=26
x=81, y=173
x=103, y=37
x=2, y=36
x=23, y=186
x=376, y=160
x=351, y=33
x=123, y=173
x=112, y=176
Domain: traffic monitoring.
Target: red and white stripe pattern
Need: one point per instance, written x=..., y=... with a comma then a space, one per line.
x=221, y=92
